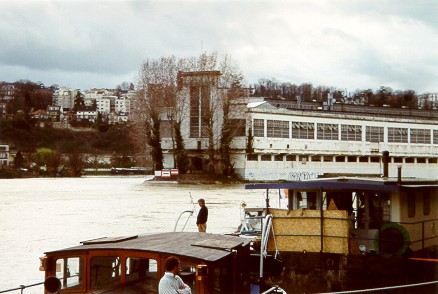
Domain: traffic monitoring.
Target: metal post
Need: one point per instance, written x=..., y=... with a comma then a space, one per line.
x=380, y=222
x=321, y=214
x=422, y=235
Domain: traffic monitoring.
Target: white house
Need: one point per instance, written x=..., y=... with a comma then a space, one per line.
x=122, y=104
x=87, y=114
x=103, y=104
x=4, y=155
x=428, y=100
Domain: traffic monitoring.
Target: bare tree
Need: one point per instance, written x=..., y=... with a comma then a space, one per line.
x=156, y=91
x=159, y=101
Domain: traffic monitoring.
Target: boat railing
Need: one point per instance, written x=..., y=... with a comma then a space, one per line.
x=21, y=288
x=415, y=288
x=266, y=229
x=422, y=231
x=190, y=214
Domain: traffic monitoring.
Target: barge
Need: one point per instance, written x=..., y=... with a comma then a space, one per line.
x=351, y=233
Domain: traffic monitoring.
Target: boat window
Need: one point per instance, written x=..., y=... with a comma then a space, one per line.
x=222, y=280
x=340, y=200
x=105, y=271
x=188, y=275
x=411, y=205
x=142, y=272
x=69, y=272
x=307, y=200
x=426, y=202
x=370, y=209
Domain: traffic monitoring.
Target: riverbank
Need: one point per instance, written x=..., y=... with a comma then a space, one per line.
x=186, y=179
x=209, y=179
x=201, y=179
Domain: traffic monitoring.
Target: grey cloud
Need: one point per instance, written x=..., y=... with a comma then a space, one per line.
x=335, y=42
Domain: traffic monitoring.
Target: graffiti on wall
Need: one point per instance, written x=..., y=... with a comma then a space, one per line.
x=274, y=175
x=301, y=176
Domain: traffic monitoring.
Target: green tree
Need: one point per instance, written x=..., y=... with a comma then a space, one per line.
x=249, y=142
x=180, y=152
x=19, y=160
x=79, y=100
x=41, y=98
x=75, y=164
x=48, y=160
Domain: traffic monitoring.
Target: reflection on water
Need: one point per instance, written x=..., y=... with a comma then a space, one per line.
x=38, y=215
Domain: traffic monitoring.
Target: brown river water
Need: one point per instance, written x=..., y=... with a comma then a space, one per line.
x=44, y=214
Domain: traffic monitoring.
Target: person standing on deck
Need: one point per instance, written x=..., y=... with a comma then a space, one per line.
x=201, y=221
x=171, y=283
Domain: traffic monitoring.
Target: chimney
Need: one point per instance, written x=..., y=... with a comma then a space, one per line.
x=385, y=158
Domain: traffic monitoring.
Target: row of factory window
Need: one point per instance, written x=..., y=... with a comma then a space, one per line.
x=325, y=131
x=337, y=158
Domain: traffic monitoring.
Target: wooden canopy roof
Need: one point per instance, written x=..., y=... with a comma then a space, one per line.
x=203, y=246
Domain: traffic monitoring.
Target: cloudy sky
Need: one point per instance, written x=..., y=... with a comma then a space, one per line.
x=341, y=43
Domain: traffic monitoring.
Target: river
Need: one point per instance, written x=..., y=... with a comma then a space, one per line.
x=44, y=214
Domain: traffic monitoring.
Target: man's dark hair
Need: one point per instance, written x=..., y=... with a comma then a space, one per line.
x=170, y=263
x=201, y=200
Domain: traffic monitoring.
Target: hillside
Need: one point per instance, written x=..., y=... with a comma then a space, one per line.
x=22, y=136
